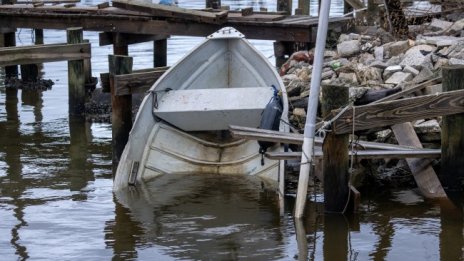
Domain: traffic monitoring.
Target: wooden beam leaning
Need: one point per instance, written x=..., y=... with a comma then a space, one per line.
x=137, y=82
x=43, y=53
x=405, y=110
x=424, y=174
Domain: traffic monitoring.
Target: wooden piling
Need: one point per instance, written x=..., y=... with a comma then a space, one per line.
x=9, y=40
x=76, y=75
x=335, y=160
x=285, y=5
x=119, y=47
x=160, y=48
x=121, y=116
x=215, y=4
x=30, y=72
x=303, y=5
x=452, y=135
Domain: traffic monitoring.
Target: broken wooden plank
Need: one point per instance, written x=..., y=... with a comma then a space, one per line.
x=123, y=39
x=294, y=138
x=137, y=82
x=399, y=111
x=426, y=179
x=364, y=154
x=172, y=11
x=424, y=175
x=43, y=53
x=38, y=4
x=103, y=5
x=254, y=17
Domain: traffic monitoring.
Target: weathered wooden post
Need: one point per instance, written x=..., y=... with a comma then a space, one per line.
x=160, y=52
x=9, y=39
x=285, y=5
x=452, y=135
x=335, y=162
x=303, y=7
x=119, y=48
x=121, y=116
x=76, y=75
x=30, y=72
x=215, y=4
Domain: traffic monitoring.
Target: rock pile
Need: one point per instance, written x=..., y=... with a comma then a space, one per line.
x=372, y=61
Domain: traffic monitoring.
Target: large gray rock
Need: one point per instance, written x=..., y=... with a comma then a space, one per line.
x=424, y=75
x=418, y=56
x=399, y=77
x=379, y=65
x=390, y=70
x=440, y=25
x=396, y=48
x=368, y=75
x=443, y=40
x=348, y=78
x=457, y=26
x=454, y=61
x=378, y=53
x=349, y=48
x=395, y=60
x=410, y=70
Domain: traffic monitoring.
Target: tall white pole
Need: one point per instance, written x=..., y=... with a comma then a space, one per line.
x=310, y=126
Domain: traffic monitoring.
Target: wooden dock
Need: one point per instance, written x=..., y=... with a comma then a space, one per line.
x=264, y=26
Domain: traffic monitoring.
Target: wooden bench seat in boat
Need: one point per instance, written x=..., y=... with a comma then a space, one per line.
x=213, y=109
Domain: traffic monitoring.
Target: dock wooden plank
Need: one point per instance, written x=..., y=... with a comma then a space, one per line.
x=43, y=53
x=172, y=11
x=137, y=82
x=108, y=38
x=294, y=138
x=364, y=154
x=254, y=17
x=399, y=111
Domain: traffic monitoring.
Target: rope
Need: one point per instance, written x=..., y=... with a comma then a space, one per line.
x=350, y=171
x=154, y=96
x=326, y=125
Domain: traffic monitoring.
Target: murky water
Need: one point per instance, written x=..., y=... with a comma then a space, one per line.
x=56, y=200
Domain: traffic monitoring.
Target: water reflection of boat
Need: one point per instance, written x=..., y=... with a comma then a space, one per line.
x=181, y=125
x=198, y=217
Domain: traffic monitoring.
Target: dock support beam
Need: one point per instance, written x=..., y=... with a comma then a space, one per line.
x=215, y=4
x=121, y=107
x=452, y=136
x=76, y=75
x=335, y=162
x=160, y=48
x=9, y=40
x=30, y=72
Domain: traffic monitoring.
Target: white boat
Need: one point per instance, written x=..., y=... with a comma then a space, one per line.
x=181, y=126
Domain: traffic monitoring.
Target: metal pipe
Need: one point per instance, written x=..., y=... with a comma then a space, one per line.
x=310, y=126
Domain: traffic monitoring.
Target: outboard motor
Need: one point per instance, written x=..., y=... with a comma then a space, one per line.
x=270, y=120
